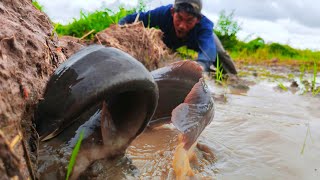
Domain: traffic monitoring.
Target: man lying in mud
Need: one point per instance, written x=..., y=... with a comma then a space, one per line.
x=184, y=25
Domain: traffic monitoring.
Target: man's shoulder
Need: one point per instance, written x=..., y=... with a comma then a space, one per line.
x=206, y=22
x=164, y=8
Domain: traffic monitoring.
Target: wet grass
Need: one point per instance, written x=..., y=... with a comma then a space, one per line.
x=219, y=71
x=310, y=84
x=283, y=87
x=315, y=91
x=74, y=154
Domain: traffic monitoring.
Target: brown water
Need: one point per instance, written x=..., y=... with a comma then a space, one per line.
x=259, y=132
x=261, y=135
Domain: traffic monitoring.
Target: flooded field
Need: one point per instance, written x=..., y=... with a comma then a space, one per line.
x=266, y=133
x=261, y=130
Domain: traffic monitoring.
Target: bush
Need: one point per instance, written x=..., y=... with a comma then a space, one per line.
x=255, y=44
x=227, y=29
x=284, y=50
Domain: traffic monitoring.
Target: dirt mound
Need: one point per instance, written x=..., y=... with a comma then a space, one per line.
x=28, y=56
x=69, y=45
x=144, y=44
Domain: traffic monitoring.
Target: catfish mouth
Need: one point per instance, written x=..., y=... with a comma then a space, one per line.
x=123, y=117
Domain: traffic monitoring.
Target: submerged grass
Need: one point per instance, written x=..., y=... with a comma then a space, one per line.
x=74, y=155
x=305, y=139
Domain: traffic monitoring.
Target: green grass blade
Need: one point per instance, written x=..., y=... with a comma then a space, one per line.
x=219, y=70
x=283, y=87
x=74, y=155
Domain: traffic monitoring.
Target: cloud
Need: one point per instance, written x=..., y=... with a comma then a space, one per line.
x=305, y=12
x=63, y=11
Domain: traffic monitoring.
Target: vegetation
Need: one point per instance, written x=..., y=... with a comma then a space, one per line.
x=256, y=50
x=219, y=71
x=283, y=87
x=314, y=80
x=37, y=5
x=186, y=53
x=96, y=21
x=93, y=22
x=74, y=155
x=227, y=29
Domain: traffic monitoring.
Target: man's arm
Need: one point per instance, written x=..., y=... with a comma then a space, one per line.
x=208, y=52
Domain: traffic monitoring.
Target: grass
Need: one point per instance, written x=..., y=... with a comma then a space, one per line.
x=253, y=52
x=219, y=71
x=314, y=89
x=186, y=53
x=302, y=72
x=37, y=5
x=92, y=21
x=314, y=69
x=283, y=87
x=74, y=154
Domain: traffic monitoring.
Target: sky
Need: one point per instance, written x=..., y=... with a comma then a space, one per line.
x=292, y=22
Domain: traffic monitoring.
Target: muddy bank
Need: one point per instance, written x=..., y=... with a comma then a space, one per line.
x=28, y=55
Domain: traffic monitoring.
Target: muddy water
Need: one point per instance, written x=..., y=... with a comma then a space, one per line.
x=259, y=132
x=261, y=135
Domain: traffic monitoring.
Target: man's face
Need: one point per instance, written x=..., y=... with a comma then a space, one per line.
x=183, y=22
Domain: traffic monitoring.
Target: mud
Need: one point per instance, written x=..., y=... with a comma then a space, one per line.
x=28, y=56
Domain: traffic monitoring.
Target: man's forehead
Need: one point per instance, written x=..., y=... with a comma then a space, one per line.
x=185, y=15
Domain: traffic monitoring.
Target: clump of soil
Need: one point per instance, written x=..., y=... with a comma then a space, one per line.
x=144, y=44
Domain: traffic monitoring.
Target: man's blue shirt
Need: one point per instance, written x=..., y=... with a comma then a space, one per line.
x=200, y=38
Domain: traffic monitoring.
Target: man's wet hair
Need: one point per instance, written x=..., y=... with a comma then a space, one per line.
x=185, y=7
